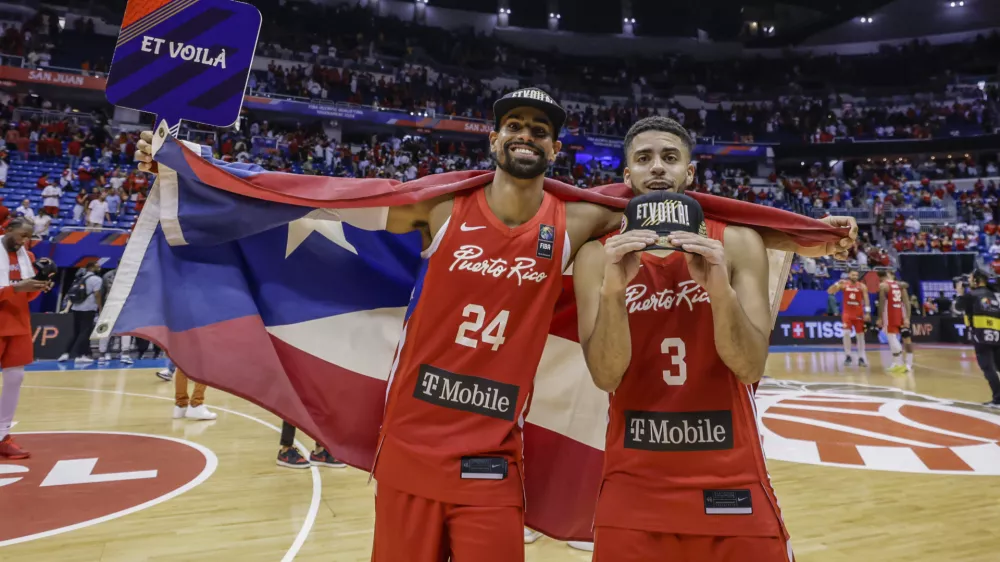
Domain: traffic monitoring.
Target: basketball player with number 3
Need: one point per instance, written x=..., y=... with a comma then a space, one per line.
x=674, y=320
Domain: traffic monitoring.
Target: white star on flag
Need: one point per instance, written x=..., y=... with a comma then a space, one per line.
x=333, y=231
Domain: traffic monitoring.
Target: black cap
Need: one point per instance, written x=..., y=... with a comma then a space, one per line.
x=46, y=269
x=664, y=212
x=530, y=97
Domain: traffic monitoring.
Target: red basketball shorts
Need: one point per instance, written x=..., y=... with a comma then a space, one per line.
x=894, y=326
x=16, y=351
x=415, y=529
x=612, y=544
x=855, y=322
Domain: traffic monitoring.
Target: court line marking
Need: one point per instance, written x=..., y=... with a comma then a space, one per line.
x=211, y=463
x=317, y=487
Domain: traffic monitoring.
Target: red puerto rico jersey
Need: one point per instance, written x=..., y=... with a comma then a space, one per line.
x=893, y=306
x=682, y=454
x=854, y=300
x=465, y=368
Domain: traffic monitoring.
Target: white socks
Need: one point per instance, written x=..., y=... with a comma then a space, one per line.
x=13, y=378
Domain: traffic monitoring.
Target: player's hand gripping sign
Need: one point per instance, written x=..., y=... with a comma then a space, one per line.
x=184, y=59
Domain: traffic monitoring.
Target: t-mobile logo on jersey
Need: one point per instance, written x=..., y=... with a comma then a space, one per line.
x=466, y=393
x=687, y=293
x=679, y=431
x=468, y=258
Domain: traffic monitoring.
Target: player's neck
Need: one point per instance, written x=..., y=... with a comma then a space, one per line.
x=514, y=201
x=660, y=253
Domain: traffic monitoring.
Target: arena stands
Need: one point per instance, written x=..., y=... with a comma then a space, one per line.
x=346, y=58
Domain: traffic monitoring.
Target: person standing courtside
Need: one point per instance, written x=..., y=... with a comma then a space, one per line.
x=85, y=303
x=981, y=308
x=688, y=364
x=894, y=318
x=190, y=407
x=290, y=457
x=856, y=311
x=17, y=289
x=125, y=341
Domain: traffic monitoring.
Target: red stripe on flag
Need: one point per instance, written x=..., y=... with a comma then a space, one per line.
x=339, y=408
x=562, y=478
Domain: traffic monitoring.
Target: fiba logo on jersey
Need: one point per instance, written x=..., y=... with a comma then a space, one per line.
x=466, y=393
x=660, y=212
x=546, y=238
x=679, y=431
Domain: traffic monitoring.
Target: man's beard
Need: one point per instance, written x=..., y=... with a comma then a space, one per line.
x=518, y=168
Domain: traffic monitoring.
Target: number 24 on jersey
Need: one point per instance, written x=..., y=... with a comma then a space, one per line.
x=492, y=335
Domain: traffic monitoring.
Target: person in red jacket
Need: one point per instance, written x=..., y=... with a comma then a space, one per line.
x=17, y=288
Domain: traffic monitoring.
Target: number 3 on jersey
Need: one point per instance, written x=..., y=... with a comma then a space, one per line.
x=493, y=333
x=674, y=347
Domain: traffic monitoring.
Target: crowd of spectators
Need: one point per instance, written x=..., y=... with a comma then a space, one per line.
x=347, y=54
x=383, y=61
x=96, y=182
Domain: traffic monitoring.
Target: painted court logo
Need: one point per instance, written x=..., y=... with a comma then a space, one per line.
x=876, y=428
x=76, y=479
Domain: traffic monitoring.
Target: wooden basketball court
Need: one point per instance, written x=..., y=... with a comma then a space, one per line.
x=877, y=467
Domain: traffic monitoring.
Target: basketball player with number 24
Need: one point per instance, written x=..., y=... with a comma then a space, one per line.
x=674, y=320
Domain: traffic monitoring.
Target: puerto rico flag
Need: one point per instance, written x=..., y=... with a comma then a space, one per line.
x=251, y=285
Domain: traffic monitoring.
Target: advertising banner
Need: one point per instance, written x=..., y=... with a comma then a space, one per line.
x=53, y=77
x=52, y=334
x=77, y=248
x=184, y=59
x=814, y=330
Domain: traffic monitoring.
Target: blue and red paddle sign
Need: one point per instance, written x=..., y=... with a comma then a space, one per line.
x=184, y=59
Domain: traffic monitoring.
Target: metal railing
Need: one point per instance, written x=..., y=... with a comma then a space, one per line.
x=46, y=116
x=107, y=229
x=21, y=62
x=863, y=214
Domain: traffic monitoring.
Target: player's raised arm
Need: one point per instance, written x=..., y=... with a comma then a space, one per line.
x=600, y=277
x=775, y=240
x=734, y=274
x=834, y=289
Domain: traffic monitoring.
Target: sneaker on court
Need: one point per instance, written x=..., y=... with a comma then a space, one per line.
x=179, y=412
x=531, y=536
x=992, y=404
x=862, y=363
x=325, y=459
x=105, y=359
x=848, y=360
x=126, y=359
x=580, y=545
x=63, y=358
x=292, y=458
x=897, y=369
x=11, y=450
x=165, y=375
x=199, y=413
x=83, y=360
